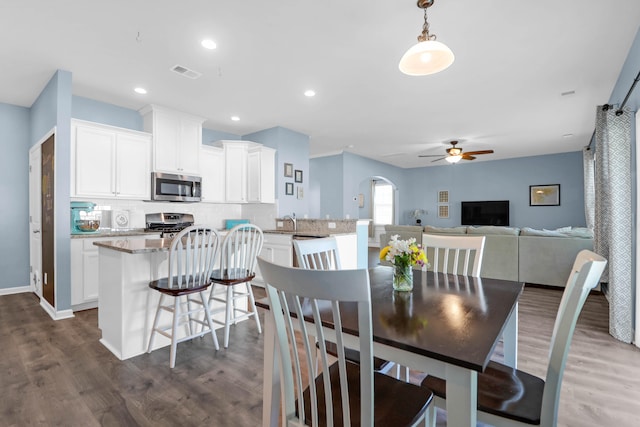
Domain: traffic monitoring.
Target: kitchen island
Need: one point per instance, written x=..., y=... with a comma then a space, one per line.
x=127, y=306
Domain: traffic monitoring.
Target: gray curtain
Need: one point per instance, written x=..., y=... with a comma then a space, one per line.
x=589, y=187
x=613, y=215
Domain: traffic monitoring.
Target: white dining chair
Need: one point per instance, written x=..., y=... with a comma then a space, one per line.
x=508, y=397
x=192, y=257
x=345, y=393
x=323, y=254
x=454, y=254
x=317, y=254
x=238, y=256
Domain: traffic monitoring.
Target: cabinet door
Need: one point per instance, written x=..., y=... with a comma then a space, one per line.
x=166, y=134
x=133, y=167
x=278, y=253
x=94, y=162
x=212, y=172
x=189, y=146
x=235, y=173
x=253, y=177
x=90, y=277
x=261, y=175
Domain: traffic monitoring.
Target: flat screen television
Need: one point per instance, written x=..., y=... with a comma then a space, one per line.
x=494, y=212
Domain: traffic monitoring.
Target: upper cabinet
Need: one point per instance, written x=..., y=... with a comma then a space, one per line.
x=249, y=172
x=213, y=174
x=109, y=162
x=177, y=138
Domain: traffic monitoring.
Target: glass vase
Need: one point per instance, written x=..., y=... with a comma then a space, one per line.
x=402, y=278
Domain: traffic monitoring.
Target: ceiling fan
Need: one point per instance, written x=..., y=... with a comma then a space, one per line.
x=455, y=154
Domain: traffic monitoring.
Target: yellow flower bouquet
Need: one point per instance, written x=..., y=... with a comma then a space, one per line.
x=403, y=254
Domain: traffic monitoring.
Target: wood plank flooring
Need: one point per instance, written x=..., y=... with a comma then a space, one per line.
x=57, y=373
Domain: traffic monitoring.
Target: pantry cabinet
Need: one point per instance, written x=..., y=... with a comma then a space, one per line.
x=177, y=138
x=109, y=162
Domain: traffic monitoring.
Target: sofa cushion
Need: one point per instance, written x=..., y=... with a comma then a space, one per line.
x=526, y=231
x=583, y=232
x=493, y=229
x=430, y=229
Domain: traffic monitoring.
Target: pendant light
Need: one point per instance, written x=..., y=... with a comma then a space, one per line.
x=428, y=56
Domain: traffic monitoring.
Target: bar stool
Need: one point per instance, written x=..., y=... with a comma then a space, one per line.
x=238, y=256
x=192, y=258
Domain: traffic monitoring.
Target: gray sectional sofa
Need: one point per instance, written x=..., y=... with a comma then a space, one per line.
x=526, y=255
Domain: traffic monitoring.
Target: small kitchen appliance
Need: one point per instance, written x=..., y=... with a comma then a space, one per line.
x=168, y=224
x=83, y=218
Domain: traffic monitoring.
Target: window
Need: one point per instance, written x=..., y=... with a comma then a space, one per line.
x=383, y=202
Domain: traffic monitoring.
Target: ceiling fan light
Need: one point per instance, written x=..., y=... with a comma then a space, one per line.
x=427, y=57
x=453, y=159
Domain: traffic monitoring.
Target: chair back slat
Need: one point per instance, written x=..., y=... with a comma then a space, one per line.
x=585, y=275
x=317, y=254
x=317, y=295
x=240, y=249
x=192, y=257
x=454, y=254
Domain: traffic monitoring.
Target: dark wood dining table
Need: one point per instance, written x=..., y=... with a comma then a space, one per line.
x=448, y=326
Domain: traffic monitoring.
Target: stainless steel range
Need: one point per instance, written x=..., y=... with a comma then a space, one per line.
x=168, y=224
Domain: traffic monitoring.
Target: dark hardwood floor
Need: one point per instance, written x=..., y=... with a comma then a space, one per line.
x=57, y=373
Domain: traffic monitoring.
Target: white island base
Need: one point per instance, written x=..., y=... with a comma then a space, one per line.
x=126, y=304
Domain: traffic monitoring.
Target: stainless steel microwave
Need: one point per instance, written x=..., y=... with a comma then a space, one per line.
x=175, y=188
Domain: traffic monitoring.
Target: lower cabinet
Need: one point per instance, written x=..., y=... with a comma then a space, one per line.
x=277, y=248
x=85, y=272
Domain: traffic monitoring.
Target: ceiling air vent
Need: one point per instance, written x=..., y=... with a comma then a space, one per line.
x=186, y=72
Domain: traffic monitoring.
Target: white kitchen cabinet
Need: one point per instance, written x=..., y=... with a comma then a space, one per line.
x=85, y=270
x=235, y=160
x=177, y=138
x=277, y=248
x=213, y=174
x=261, y=175
x=249, y=172
x=109, y=162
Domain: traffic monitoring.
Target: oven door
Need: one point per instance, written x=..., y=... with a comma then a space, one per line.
x=175, y=188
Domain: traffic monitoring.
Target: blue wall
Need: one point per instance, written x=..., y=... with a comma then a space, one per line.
x=338, y=180
x=503, y=180
x=291, y=147
x=53, y=108
x=14, y=190
x=108, y=114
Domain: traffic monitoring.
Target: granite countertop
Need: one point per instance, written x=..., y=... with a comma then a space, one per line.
x=303, y=233
x=115, y=233
x=136, y=246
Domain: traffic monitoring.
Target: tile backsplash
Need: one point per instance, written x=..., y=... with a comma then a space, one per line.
x=263, y=215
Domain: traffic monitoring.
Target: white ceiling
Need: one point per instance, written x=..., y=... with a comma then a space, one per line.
x=514, y=59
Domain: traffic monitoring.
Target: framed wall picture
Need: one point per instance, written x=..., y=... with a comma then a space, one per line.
x=300, y=192
x=288, y=189
x=544, y=195
x=288, y=170
x=298, y=174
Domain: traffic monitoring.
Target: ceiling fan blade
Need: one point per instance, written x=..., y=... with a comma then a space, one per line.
x=437, y=160
x=473, y=153
x=466, y=156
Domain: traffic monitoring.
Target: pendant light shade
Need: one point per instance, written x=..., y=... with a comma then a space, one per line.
x=428, y=56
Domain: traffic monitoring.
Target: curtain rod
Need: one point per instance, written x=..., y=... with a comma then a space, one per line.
x=619, y=111
x=626, y=98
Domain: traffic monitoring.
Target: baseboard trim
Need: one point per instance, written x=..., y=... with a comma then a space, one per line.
x=53, y=313
x=16, y=290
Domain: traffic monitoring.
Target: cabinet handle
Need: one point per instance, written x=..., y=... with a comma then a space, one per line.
x=36, y=231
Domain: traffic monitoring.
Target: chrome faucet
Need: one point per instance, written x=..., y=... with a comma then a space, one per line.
x=293, y=220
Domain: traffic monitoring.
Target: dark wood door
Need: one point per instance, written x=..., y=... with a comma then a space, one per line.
x=48, y=258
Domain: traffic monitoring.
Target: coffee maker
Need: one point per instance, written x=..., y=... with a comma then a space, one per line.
x=83, y=218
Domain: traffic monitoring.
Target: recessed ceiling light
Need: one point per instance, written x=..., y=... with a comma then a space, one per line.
x=309, y=93
x=235, y=118
x=140, y=90
x=208, y=44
